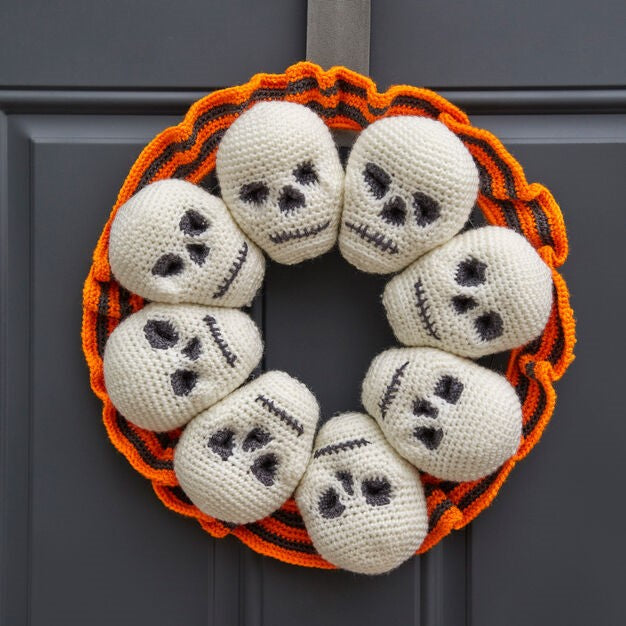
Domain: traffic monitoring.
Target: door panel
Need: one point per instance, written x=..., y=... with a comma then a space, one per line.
x=84, y=538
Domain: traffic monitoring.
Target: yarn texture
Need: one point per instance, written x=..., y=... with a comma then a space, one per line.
x=410, y=186
x=240, y=460
x=173, y=359
x=362, y=504
x=168, y=362
x=174, y=242
x=484, y=291
x=446, y=415
x=280, y=175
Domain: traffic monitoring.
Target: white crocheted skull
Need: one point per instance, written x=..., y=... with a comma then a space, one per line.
x=281, y=177
x=174, y=242
x=410, y=186
x=240, y=460
x=168, y=362
x=362, y=504
x=446, y=415
x=485, y=291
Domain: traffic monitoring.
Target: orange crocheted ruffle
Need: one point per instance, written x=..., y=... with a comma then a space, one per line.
x=345, y=100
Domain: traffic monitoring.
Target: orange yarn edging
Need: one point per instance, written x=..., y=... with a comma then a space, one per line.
x=345, y=100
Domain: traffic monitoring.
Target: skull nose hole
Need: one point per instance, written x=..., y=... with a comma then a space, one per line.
x=394, y=211
x=198, y=252
x=290, y=199
x=193, y=349
x=183, y=381
x=425, y=408
x=430, y=437
x=264, y=469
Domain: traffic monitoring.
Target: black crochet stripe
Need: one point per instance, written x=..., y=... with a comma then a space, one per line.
x=102, y=321
x=422, y=308
x=125, y=308
x=181, y=146
x=391, y=390
x=219, y=340
x=281, y=414
x=542, y=226
x=277, y=540
x=408, y=101
x=288, y=518
x=477, y=491
x=179, y=494
x=340, y=447
x=233, y=272
x=495, y=157
x=139, y=445
x=510, y=215
x=210, y=144
x=439, y=510
x=537, y=413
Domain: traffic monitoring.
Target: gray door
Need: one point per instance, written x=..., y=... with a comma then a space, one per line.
x=84, y=540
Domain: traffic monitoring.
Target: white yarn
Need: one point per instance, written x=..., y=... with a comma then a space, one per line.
x=257, y=167
x=446, y=415
x=485, y=291
x=166, y=363
x=241, y=459
x=410, y=185
x=174, y=242
x=352, y=464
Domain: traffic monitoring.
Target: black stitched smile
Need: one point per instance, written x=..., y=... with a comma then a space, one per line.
x=423, y=310
x=377, y=239
x=233, y=271
x=288, y=235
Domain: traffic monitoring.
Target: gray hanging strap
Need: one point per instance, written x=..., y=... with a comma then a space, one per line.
x=338, y=33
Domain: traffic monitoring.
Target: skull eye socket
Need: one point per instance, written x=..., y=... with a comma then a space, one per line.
x=264, y=469
x=376, y=179
x=471, y=272
x=305, y=173
x=449, y=389
x=254, y=193
x=489, y=325
x=198, y=252
x=463, y=304
x=222, y=443
x=193, y=223
x=430, y=437
x=168, y=265
x=193, y=349
x=394, y=211
x=426, y=209
x=377, y=491
x=183, y=382
x=255, y=439
x=329, y=505
x=160, y=334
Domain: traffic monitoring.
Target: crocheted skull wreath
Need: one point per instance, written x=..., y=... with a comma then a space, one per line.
x=175, y=361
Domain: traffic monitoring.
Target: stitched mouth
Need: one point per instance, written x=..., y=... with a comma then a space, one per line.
x=298, y=233
x=374, y=237
x=219, y=340
x=233, y=271
x=423, y=309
